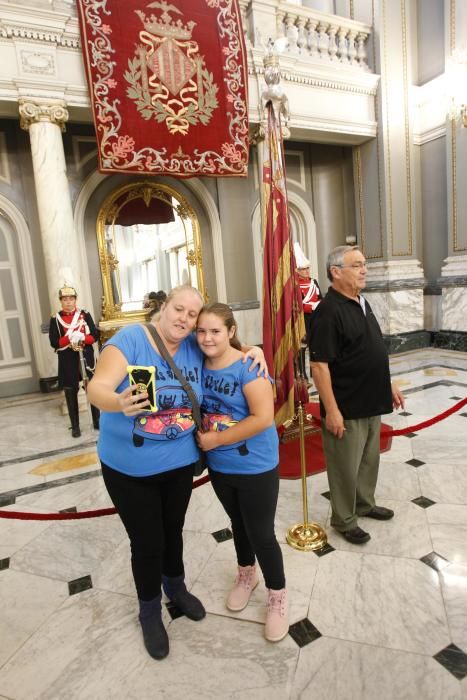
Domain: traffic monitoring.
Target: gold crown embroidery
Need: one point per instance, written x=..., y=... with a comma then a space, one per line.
x=168, y=79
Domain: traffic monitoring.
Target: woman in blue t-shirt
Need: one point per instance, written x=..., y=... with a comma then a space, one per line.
x=242, y=452
x=148, y=456
x=148, y=480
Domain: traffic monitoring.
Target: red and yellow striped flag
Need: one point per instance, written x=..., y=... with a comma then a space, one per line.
x=283, y=323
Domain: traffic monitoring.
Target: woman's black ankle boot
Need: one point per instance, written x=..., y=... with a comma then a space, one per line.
x=175, y=589
x=155, y=636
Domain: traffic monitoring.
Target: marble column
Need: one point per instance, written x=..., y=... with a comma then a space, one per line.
x=386, y=185
x=453, y=280
x=395, y=292
x=45, y=121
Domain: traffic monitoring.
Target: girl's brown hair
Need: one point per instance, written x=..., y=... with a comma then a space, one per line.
x=224, y=312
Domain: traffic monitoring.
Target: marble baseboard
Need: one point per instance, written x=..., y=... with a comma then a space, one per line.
x=452, y=340
x=454, y=307
x=403, y=342
x=416, y=340
x=398, y=312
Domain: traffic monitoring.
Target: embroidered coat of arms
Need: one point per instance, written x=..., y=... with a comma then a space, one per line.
x=168, y=85
x=168, y=78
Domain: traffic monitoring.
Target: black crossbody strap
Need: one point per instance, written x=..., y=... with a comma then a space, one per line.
x=185, y=384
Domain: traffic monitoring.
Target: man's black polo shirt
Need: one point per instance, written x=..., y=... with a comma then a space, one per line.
x=352, y=345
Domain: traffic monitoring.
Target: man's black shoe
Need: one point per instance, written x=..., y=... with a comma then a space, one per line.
x=356, y=535
x=379, y=513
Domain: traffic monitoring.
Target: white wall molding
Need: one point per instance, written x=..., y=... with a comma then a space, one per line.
x=79, y=212
x=40, y=24
x=12, y=374
x=389, y=270
x=301, y=159
x=431, y=135
x=316, y=73
x=35, y=36
x=207, y=202
x=429, y=106
x=4, y=164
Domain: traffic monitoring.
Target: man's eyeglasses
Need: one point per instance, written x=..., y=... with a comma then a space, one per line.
x=354, y=266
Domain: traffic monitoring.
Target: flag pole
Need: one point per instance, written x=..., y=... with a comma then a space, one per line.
x=305, y=536
x=283, y=325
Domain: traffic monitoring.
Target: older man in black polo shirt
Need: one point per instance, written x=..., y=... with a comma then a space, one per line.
x=350, y=368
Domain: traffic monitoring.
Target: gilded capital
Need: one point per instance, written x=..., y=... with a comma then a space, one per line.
x=34, y=111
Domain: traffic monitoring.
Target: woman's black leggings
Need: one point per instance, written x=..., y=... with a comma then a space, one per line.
x=152, y=509
x=250, y=502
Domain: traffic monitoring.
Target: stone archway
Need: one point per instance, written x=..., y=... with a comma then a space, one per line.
x=304, y=223
x=42, y=354
x=201, y=194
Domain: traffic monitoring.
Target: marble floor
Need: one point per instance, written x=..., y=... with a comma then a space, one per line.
x=386, y=620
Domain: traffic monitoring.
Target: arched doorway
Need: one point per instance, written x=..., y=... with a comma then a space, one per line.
x=303, y=227
x=93, y=192
x=22, y=354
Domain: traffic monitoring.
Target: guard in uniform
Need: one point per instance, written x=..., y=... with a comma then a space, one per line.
x=311, y=297
x=72, y=330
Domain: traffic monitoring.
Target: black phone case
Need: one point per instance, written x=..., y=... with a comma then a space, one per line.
x=143, y=378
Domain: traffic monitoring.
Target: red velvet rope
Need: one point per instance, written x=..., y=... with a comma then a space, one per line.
x=419, y=426
x=16, y=515
x=426, y=423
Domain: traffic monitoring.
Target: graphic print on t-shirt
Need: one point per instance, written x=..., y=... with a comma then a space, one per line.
x=224, y=404
x=173, y=418
x=217, y=415
x=218, y=421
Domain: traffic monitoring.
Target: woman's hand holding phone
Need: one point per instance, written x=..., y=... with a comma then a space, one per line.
x=132, y=402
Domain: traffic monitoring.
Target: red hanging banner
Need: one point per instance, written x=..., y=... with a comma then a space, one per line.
x=168, y=86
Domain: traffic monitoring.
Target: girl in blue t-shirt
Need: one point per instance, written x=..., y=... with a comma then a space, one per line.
x=242, y=452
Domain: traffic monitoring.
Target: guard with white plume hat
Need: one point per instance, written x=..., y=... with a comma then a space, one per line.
x=301, y=261
x=311, y=296
x=72, y=334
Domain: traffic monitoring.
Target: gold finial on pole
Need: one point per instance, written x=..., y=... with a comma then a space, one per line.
x=305, y=536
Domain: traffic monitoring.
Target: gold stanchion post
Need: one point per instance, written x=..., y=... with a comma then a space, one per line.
x=305, y=536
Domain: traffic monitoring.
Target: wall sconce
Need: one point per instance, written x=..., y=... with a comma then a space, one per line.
x=456, y=86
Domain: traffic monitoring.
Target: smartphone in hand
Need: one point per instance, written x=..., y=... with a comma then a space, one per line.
x=143, y=380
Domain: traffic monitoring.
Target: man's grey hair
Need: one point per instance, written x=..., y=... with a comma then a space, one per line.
x=336, y=257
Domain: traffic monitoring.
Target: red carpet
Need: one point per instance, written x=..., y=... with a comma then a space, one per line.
x=289, y=450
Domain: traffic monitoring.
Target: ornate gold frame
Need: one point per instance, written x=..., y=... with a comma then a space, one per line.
x=146, y=190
